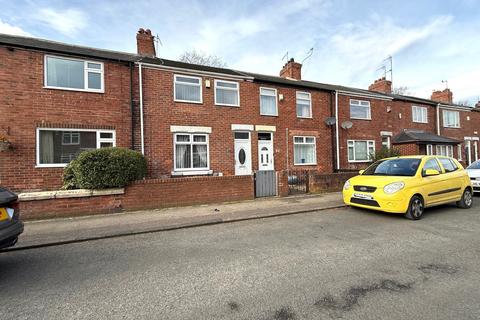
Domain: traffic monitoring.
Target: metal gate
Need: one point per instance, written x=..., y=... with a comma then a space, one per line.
x=297, y=181
x=265, y=183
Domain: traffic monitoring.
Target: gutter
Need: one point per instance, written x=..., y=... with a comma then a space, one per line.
x=337, y=138
x=142, y=141
x=364, y=95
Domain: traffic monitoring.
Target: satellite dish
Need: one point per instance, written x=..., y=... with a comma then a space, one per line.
x=330, y=121
x=346, y=124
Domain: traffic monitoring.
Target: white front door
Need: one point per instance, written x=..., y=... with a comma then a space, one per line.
x=243, y=154
x=265, y=151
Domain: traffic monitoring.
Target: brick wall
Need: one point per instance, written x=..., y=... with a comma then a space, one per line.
x=161, y=112
x=146, y=194
x=408, y=149
x=25, y=104
x=330, y=182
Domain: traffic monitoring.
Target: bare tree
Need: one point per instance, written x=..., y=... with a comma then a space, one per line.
x=401, y=90
x=196, y=57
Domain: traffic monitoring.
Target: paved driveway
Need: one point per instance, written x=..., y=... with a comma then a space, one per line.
x=342, y=263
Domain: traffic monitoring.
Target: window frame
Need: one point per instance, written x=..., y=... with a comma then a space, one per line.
x=200, y=84
x=305, y=143
x=445, y=147
x=429, y=150
x=191, y=143
x=70, y=143
x=276, y=101
x=99, y=140
x=309, y=103
x=459, y=152
x=215, y=86
x=418, y=108
x=360, y=105
x=86, y=70
x=370, y=143
x=444, y=122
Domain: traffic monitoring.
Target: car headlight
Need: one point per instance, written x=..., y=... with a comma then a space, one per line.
x=346, y=186
x=393, y=187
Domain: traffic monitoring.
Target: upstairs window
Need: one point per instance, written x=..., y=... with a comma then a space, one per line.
x=304, y=105
x=188, y=89
x=304, y=150
x=451, y=119
x=419, y=114
x=360, y=109
x=73, y=74
x=57, y=147
x=268, y=102
x=227, y=93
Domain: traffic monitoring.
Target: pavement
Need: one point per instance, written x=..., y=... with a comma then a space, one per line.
x=68, y=230
x=340, y=263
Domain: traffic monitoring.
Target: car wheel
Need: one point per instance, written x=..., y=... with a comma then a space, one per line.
x=466, y=200
x=415, y=208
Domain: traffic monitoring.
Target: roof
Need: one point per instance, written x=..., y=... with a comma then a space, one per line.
x=422, y=137
x=59, y=47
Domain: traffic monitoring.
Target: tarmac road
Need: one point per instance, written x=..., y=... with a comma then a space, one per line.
x=341, y=263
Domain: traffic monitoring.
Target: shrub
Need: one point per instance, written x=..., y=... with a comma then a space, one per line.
x=104, y=168
x=384, y=153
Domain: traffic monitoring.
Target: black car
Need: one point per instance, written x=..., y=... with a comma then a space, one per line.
x=10, y=225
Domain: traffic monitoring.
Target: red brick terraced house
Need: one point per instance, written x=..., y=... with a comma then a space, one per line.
x=57, y=100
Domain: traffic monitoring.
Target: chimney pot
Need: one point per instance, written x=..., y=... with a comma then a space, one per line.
x=145, y=45
x=381, y=85
x=292, y=70
x=445, y=96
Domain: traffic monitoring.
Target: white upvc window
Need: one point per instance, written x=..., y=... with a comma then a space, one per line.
x=459, y=151
x=443, y=150
x=419, y=114
x=227, y=93
x=187, y=89
x=360, y=109
x=304, y=105
x=57, y=147
x=360, y=150
x=451, y=119
x=304, y=150
x=73, y=74
x=191, y=152
x=429, y=150
x=386, y=142
x=268, y=102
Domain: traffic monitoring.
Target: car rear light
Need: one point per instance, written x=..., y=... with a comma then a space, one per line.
x=16, y=208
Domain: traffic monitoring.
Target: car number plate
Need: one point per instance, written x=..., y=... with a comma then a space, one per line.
x=475, y=183
x=6, y=214
x=363, y=196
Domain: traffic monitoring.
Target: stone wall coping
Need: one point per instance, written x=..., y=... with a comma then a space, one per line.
x=63, y=194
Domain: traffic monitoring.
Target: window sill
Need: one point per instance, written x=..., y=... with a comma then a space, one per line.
x=269, y=115
x=368, y=119
x=452, y=127
x=52, y=166
x=227, y=105
x=77, y=90
x=186, y=101
x=191, y=173
x=304, y=117
x=304, y=164
x=420, y=122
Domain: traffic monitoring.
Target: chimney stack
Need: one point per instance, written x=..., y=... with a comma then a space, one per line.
x=445, y=96
x=145, y=45
x=292, y=70
x=381, y=85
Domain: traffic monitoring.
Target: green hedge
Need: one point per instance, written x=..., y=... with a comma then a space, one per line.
x=104, y=168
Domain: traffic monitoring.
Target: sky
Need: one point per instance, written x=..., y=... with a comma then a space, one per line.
x=429, y=40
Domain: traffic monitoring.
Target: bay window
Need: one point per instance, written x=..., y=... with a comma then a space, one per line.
x=57, y=147
x=191, y=152
x=304, y=150
x=443, y=150
x=73, y=74
x=360, y=150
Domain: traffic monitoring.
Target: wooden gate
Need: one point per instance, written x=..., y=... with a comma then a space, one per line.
x=265, y=183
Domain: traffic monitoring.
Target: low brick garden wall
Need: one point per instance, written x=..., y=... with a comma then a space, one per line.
x=145, y=194
x=327, y=182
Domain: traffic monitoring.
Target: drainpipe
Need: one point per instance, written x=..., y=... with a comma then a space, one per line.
x=142, y=142
x=286, y=133
x=337, y=138
x=438, y=119
x=132, y=108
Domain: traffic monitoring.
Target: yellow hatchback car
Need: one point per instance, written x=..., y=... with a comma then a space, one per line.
x=409, y=184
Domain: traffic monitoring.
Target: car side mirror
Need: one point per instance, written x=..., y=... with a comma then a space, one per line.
x=431, y=172
x=361, y=171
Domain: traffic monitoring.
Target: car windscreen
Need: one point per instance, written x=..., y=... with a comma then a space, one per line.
x=393, y=167
x=475, y=165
